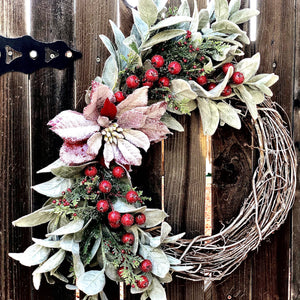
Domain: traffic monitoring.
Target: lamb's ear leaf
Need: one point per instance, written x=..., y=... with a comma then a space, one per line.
x=148, y=11
x=91, y=282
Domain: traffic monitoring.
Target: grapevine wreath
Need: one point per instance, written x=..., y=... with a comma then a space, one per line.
x=171, y=64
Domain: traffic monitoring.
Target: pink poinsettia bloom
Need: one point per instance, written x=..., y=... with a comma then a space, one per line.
x=119, y=130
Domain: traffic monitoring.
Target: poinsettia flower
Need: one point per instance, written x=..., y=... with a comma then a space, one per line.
x=121, y=129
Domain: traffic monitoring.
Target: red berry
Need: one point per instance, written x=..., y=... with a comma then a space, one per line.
x=132, y=82
x=157, y=61
x=164, y=81
x=118, y=172
x=202, y=80
x=146, y=265
x=226, y=67
x=140, y=219
x=128, y=238
x=90, y=171
x=132, y=196
x=105, y=186
x=114, y=217
x=127, y=220
x=120, y=271
x=114, y=225
x=119, y=96
x=54, y=201
x=174, y=67
x=211, y=86
x=238, y=77
x=102, y=206
x=143, y=282
x=227, y=91
x=148, y=83
x=74, y=214
x=151, y=75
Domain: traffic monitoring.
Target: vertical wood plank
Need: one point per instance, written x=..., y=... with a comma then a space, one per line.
x=295, y=288
x=14, y=163
x=275, y=42
x=51, y=92
x=92, y=19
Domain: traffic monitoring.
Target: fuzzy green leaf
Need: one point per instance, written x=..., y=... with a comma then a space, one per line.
x=171, y=122
x=72, y=227
x=56, y=164
x=54, y=187
x=40, y=216
x=119, y=39
x=112, y=273
x=156, y=291
x=131, y=43
x=229, y=115
x=36, y=279
x=68, y=243
x=159, y=260
x=195, y=19
x=47, y=243
x=124, y=207
x=148, y=11
x=69, y=171
x=77, y=265
x=110, y=72
x=221, y=10
x=170, y=22
x=108, y=44
x=266, y=79
x=153, y=217
x=52, y=262
x=174, y=238
x=243, y=15
x=140, y=25
x=209, y=115
x=248, y=66
x=184, y=9
x=203, y=18
x=162, y=36
x=234, y=6
x=91, y=282
x=246, y=97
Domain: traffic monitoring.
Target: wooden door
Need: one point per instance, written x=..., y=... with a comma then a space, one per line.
x=26, y=145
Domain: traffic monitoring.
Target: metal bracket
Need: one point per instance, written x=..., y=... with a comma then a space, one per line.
x=26, y=55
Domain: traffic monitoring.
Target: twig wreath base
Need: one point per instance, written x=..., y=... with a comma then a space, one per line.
x=262, y=213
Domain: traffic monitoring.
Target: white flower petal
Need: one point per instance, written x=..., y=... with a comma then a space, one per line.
x=94, y=143
x=130, y=152
x=137, y=138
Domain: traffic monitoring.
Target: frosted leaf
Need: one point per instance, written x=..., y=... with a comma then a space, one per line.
x=75, y=154
x=94, y=143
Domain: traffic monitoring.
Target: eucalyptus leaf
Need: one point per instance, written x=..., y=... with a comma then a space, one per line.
x=229, y=27
x=91, y=282
x=148, y=11
x=162, y=36
x=209, y=115
x=36, y=279
x=234, y=6
x=170, y=22
x=243, y=15
x=77, y=265
x=221, y=10
x=52, y=262
x=67, y=243
x=248, y=66
x=158, y=258
x=47, y=243
x=72, y=227
x=203, y=18
x=54, y=187
x=40, y=216
x=140, y=25
x=55, y=164
x=156, y=291
x=171, y=122
x=229, y=115
x=110, y=72
x=153, y=217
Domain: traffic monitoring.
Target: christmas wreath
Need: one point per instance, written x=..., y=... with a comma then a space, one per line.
x=171, y=64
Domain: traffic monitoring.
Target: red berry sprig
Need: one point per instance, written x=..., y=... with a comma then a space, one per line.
x=132, y=196
x=202, y=80
x=127, y=220
x=238, y=78
x=140, y=218
x=119, y=96
x=174, y=67
x=151, y=75
x=118, y=172
x=105, y=186
x=146, y=265
x=102, y=206
x=128, y=238
x=132, y=82
x=226, y=67
x=143, y=282
x=227, y=91
x=90, y=171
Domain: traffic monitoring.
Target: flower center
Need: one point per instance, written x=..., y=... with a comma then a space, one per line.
x=112, y=133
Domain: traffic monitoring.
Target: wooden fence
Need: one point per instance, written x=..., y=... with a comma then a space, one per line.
x=26, y=145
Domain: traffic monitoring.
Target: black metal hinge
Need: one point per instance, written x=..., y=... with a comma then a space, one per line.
x=26, y=55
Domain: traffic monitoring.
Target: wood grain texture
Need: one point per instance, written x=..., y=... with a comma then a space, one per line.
x=92, y=19
x=52, y=91
x=295, y=267
x=14, y=164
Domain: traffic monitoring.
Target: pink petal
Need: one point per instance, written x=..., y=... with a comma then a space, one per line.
x=156, y=110
x=75, y=154
x=138, y=98
x=130, y=152
x=119, y=158
x=99, y=94
x=108, y=154
x=103, y=121
x=94, y=143
x=137, y=138
x=133, y=118
x=72, y=126
x=155, y=130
